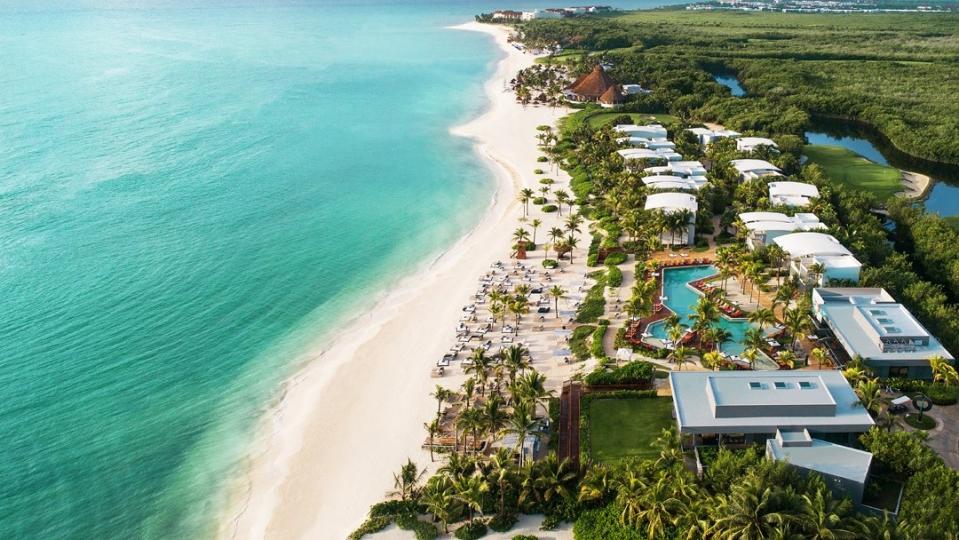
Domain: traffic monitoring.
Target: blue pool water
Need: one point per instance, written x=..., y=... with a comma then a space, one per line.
x=732, y=83
x=682, y=299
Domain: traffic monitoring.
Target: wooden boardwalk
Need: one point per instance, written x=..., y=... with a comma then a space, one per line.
x=569, y=411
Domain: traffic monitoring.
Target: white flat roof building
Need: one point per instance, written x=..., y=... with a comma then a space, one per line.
x=539, y=14
x=741, y=402
x=764, y=227
x=649, y=131
x=652, y=144
x=845, y=469
x=663, y=181
x=663, y=154
x=870, y=323
x=633, y=89
x=679, y=168
x=706, y=136
x=794, y=194
x=748, y=144
x=750, y=169
x=670, y=202
x=806, y=249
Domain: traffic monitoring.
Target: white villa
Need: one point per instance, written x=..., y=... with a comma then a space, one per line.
x=807, y=249
x=748, y=144
x=764, y=227
x=664, y=155
x=870, y=323
x=794, y=194
x=706, y=136
x=751, y=169
x=633, y=89
x=652, y=144
x=671, y=202
x=668, y=182
x=649, y=131
x=679, y=168
x=540, y=14
x=844, y=469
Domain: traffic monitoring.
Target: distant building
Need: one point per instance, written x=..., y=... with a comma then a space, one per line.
x=649, y=131
x=871, y=324
x=672, y=202
x=794, y=194
x=764, y=227
x=706, y=136
x=590, y=87
x=806, y=250
x=679, y=168
x=748, y=144
x=612, y=97
x=661, y=156
x=507, y=15
x=540, y=14
x=751, y=169
x=669, y=182
x=634, y=89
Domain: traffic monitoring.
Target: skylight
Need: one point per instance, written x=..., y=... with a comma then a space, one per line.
x=805, y=385
x=753, y=385
x=780, y=385
x=891, y=329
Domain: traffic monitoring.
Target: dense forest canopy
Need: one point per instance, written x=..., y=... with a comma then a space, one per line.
x=897, y=72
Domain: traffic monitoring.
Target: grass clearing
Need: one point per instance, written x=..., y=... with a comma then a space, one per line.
x=847, y=167
x=625, y=427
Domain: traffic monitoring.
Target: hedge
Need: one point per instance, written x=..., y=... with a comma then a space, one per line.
x=939, y=394
x=594, y=304
x=422, y=529
x=617, y=257
x=549, y=208
x=603, y=524
x=596, y=347
x=542, y=159
x=550, y=263
x=614, y=277
x=577, y=341
x=636, y=372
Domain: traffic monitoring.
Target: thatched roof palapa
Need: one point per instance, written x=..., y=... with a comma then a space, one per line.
x=612, y=96
x=593, y=85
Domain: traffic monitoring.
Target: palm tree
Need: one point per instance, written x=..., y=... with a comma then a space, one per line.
x=870, y=395
x=573, y=221
x=501, y=475
x=532, y=389
x=556, y=293
x=787, y=358
x=439, y=498
x=754, y=338
x=562, y=198
x=762, y=317
x=630, y=493
x=522, y=424
x=820, y=355
x=406, y=482
x=525, y=195
x=797, y=323
x=663, y=506
x=824, y=518
x=432, y=428
x=470, y=491
x=596, y=484
x=816, y=271
x=469, y=388
x=471, y=421
x=535, y=224
x=571, y=243
x=555, y=234
x=519, y=307
x=751, y=511
x=942, y=371
x=550, y=479
x=441, y=394
x=494, y=417
x=516, y=359
x=480, y=368
x=751, y=355
x=521, y=236
x=712, y=359
x=679, y=354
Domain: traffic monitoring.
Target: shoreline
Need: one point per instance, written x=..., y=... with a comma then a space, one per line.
x=367, y=388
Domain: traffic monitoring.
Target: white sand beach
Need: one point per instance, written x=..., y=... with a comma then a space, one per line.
x=355, y=413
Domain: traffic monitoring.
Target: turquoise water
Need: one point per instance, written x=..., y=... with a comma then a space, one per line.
x=682, y=300
x=190, y=198
x=731, y=82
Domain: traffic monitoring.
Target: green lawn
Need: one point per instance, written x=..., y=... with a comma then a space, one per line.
x=625, y=427
x=844, y=165
x=601, y=119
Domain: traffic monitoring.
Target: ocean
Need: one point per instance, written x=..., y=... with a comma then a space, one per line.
x=192, y=195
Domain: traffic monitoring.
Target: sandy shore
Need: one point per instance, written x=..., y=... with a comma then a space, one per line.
x=353, y=415
x=915, y=185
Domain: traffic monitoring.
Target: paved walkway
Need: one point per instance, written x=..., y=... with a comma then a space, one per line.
x=944, y=438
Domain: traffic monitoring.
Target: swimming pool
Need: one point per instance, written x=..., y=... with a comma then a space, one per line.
x=681, y=299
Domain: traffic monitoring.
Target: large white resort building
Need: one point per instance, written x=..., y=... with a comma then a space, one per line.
x=793, y=194
x=662, y=155
x=670, y=203
x=679, y=168
x=868, y=322
x=751, y=169
x=748, y=144
x=808, y=418
x=706, y=136
x=808, y=249
x=764, y=227
x=670, y=182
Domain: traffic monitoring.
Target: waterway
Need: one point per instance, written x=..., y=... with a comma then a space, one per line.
x=731, y=82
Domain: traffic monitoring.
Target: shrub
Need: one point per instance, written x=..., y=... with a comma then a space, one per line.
x=924, y=422
x=392, y=509
x=596, y=346
x=524, y=537
x=549, y=208
x=502, y=522
x=538, y=171
x=604, y=523
x=701, y=242
x=550, y=263
x=593, y=306
x=422, y=529
x=617, y=257
x=471, y=531
x=547, y=181
x=370, y=526
x=577, y=341
x=942, y=395
x=638, y=372
x=550, y=522
x=539, y=200
x=592, y=260
x=542, y=159
x=614, y=277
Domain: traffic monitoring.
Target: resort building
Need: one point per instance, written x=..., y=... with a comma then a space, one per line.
x=652, y=144
x=764, y=227
x=634, y=89
x=679, y=168
x=868, y=322
x=590, y=87
x=612, y=97
x=844, y=469
x=751, y=169
x=794, y=194
x=819, y=257
x=540, y=14
x=668, y=182
x=670, y=203
x=649, y=131
x=748, y=144
x=663, y=155
x=507, y=15
x=706, y=136
x=752, y=406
